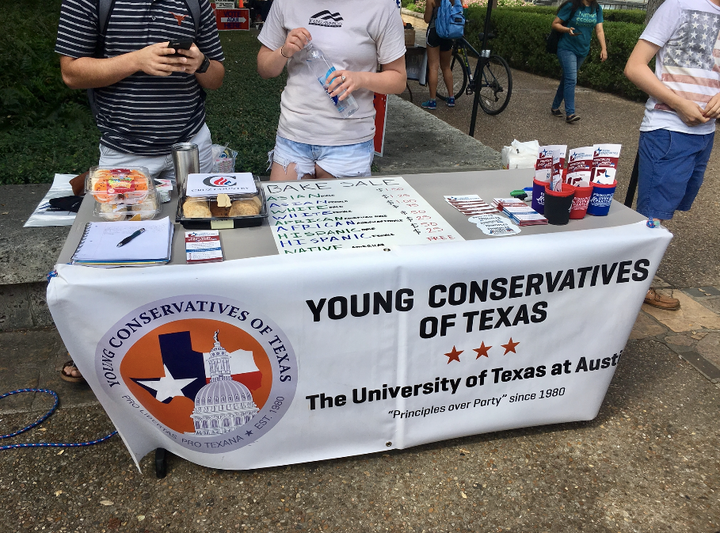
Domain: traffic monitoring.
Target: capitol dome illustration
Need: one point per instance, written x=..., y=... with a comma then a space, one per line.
x=223, y=404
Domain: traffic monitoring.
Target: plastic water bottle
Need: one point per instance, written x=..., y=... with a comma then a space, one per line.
x=322, y=70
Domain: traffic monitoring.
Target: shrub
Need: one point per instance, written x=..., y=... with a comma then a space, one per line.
x=31, y=90
x=500, y=3
x=633, y=16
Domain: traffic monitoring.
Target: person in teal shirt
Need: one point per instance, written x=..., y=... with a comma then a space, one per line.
x=575, y=21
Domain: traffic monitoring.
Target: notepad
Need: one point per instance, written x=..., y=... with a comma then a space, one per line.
x=100, y=240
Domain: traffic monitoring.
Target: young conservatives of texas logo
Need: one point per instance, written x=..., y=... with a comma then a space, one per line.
x=209, y=372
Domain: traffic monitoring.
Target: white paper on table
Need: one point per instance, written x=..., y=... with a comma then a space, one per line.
x=43, y=216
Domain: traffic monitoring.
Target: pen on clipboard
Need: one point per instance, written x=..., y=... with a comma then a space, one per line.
x=130, y=237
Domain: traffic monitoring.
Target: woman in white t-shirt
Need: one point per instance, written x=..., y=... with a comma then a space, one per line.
x=313, y=139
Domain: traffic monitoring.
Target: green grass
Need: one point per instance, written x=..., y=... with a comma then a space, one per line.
x=243, y=114
x=46, y=128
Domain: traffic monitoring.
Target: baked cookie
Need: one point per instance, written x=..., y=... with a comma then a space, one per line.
x=196, y=208
x=244, y=208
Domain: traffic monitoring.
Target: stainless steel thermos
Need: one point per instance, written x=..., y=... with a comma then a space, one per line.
x=186, y=159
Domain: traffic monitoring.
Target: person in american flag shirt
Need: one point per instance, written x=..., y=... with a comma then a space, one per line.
x=677, y=131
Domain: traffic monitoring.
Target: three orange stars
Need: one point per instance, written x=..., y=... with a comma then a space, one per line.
x=454, y=354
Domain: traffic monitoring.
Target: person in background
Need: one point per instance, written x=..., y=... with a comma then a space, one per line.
x=678, y=129
x=575, y=21
x=313, y=139
x=147, y=95
x=439, y=55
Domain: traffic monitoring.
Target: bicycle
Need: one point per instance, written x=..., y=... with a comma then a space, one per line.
x=492, y=70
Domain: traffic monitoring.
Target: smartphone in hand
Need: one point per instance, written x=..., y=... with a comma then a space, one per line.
x=182, y=44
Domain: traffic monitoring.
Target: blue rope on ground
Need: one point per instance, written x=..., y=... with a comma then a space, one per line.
x=40, y=421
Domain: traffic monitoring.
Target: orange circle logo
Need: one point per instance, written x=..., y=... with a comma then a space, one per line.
x=209, y=372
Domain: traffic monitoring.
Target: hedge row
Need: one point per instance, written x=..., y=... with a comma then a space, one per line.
x=633, y=16
x=520, y=38
x=31, y=88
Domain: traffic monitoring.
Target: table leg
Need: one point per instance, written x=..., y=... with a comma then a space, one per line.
x=632, y=185
x=160, y=463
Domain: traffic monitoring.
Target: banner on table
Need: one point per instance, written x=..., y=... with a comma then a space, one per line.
x=284, y=359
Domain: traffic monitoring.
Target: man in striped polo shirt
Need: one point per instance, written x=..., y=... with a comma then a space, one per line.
x=147, y=98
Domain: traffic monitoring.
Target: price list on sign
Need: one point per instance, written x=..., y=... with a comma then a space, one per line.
x=320, y=216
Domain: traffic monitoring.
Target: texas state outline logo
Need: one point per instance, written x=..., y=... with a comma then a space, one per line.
x=209, y=372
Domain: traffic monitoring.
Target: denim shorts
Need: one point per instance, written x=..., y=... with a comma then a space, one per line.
x=349, y=161
x=671, y=168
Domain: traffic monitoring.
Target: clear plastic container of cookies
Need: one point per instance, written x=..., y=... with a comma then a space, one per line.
x=222, y=211
x=122, y=193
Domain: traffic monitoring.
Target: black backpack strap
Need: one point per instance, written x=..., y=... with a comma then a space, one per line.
x=194, y=8
x=632, y=185
x=105, y=7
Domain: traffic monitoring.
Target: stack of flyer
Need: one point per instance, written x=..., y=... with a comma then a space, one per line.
x=519, y=212
x=203, y=246
x=470, y=204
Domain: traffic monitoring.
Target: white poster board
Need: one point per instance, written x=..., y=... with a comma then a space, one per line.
x=351, y=214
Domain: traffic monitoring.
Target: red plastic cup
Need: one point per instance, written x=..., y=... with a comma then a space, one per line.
x=580, y=202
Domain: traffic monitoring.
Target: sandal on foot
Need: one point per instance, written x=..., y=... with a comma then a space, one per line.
x=656, y=299
x=572, y=118
x=555, y=112
x=71, y=374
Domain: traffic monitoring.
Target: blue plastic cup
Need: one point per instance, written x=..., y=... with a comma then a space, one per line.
x=601, y=199
x=538, y=196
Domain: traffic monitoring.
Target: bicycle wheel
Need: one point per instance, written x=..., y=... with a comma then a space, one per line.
x=495, y=85
x=459, y=76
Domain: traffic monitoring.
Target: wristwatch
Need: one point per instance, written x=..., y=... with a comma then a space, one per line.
x=204, y=66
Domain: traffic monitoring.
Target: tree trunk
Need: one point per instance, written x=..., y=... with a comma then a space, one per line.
x=652, y=6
